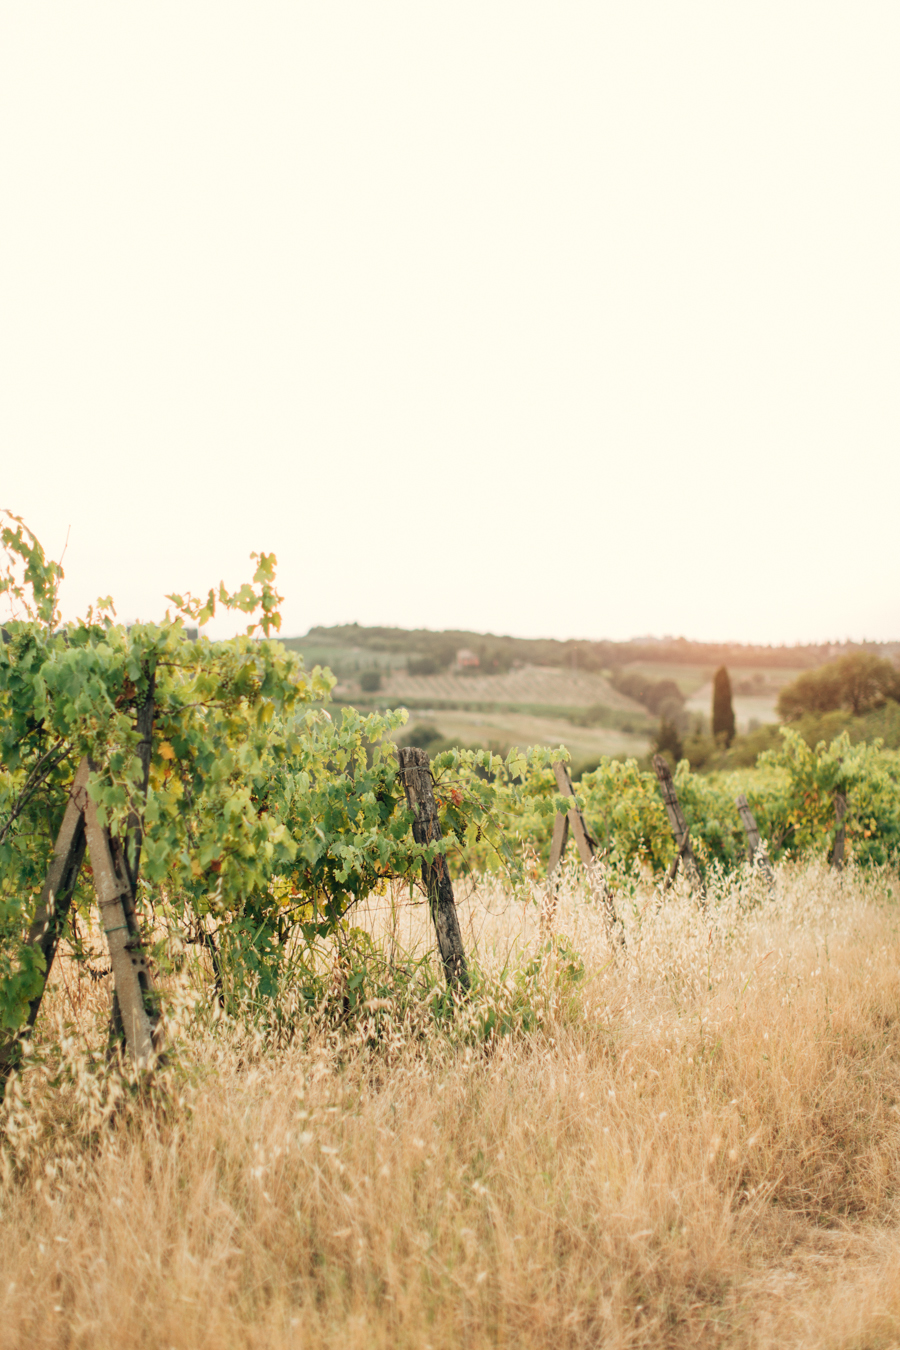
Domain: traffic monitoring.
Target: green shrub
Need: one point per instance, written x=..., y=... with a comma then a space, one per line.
x=858, y=683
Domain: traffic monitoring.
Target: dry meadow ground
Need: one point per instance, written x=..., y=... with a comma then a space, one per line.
x=696, y=1144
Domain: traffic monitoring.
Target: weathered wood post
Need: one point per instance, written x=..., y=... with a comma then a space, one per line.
x=52, y=910
x=574, y=820
x=133, y=981
x=840, y=834
x=755, y=851
x=135, y=833
x=115, y=865
x=415, y=771
x=684, y=851
x=127, y=858
x=131, y=971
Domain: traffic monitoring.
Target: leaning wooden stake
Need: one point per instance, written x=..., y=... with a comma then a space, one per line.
x=133, y=982
x=684, y=851
x=573, y=820
x=129, y=964
x=52, y=909
x=755, y=851
x=135, y=832
x=416, y=774
x=128, y=855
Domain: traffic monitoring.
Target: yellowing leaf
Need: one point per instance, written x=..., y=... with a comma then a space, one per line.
x=166, y=750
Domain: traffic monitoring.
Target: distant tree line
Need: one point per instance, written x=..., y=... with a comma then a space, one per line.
x=497, y=653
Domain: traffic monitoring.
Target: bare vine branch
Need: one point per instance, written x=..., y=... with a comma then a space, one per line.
x=39, y=775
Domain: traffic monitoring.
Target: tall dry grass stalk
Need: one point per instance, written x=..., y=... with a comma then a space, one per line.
x=697, y=1143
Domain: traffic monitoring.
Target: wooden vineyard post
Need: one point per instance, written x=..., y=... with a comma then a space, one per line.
x=573, y=820
x=52, y=908
x=558, y=842
x=133, y=982
x=131, y=972
x=415, y=771
x=840, y=834
x=680, y=830
x=128, y=855
x=755, y=851
x=135, y=835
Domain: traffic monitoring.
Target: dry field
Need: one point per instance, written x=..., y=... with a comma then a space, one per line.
x=507, y=727
x=695, y=1144
x=550, y=685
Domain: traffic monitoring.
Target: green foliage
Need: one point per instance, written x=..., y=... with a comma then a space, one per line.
x=879, y=724
x=268, y=816
x=625, y=814
x=219, y=711
x=707, y=755
x=668, y=741
x=723, y=726
x=424, y=735
x=663, y=698
x=265, y=815
x=708, y=804
x=545, y=985
x=246, y=600
x=858, y=682
x=495, y=810
x=424, y=665
x=602, y=715
x=261, y=810
x=790, y=791
x=28, y=579
x=803, y=813
x=341, y=801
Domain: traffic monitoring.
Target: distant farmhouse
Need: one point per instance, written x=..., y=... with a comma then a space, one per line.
x=466, y=659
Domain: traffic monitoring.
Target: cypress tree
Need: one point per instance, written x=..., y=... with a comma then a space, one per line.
x=722, y=707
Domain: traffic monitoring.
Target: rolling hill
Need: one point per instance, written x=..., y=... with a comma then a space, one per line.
x=545, y=691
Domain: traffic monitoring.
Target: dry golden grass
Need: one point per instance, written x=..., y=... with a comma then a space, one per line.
x=697, y=1145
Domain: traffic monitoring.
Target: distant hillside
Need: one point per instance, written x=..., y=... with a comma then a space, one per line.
x=547, y=686
x=352, y=646
x=594, y=697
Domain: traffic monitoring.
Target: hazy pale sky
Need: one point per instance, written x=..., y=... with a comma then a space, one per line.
x=561, y=319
